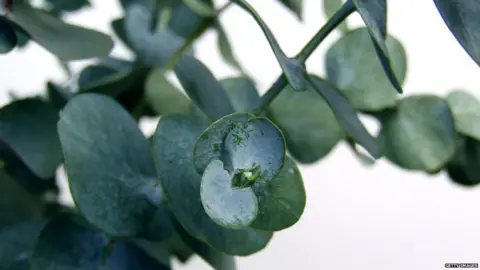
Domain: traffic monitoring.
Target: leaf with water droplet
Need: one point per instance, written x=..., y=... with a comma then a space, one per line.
x=227, y=205
x=174, y=141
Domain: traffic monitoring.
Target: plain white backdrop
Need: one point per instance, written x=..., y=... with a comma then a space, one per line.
x=356, y=217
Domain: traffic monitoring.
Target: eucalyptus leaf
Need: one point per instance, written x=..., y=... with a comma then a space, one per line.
x=118, y=26
x=16, y=204
x=70, y=5
x=218, y=260
x=309, y=125
x=177, y=246
x=281, y=201
x=464, y=168
x=28, y=127
x=293, y=69
x=157, y=250
x=420, y=135
x=466, y=112
x=242, y=93
x=17, y=243
x=109, y=165
x=461, y=17
x=346, y=116
x=93, y=74
x=13, y=165
x=8, y=38
x=228, y=206
x=155, y=47
x=159, y=228
x=173, y=149
x=164, y=97
x=184, y=21
x=126, y=256
x=200, y=7
x=226, y=49
x=66, y=41
x=202, y=87
x=352, y=65
x=294, y=5
x=58, y=95
x=78, y=247
x=242, y=142
x=330, y=7
x=374, y=14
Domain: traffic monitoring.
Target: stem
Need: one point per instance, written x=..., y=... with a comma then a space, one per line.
x=347, y=9
x=342, y=14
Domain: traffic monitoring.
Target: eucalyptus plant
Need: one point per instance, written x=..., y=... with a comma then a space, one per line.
x=219, y=176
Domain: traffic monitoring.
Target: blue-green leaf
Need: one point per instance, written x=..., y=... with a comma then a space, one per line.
x=155, y=47
x=202, y=87
x=218, y=260
x=466, y=112
x=374, y=14
x=81, y=247
x=294, y=5
x=77, y=248
x=39, y=150
x=242, y=142
x=66, y=41
x=200, y=7
x=346, y=116
x=461, y=16
x=308, y=123
x=118, y=26
x=294, y=70
x=352, y=65
x=58, y=95
x=17, y=243
x=109, y=165
x=242, y=93
x=16, y=204
x=226, y=49
x=8, y=38
x=229, y=206
x=420, y=134
x=174, y=142
x=464, y=167
x=69, y=6
x=281, y=201
x=165, y=98
x=330, y=7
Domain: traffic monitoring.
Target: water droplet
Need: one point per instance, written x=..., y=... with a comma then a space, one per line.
x=291, y=171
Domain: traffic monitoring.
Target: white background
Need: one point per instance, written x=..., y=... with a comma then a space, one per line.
x=356, y=218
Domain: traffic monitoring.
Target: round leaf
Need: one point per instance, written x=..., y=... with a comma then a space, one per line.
x=466, y=111
x=16, y=244
x=464, y=168
x=8, y=38
x=174, y=141
x=109, y=165
x=310, y=127
x=352, y=65
x=228, y=206
x=28, y=127
x=242, y=142
x=281, y=201
x=420, y=135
